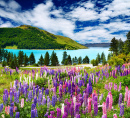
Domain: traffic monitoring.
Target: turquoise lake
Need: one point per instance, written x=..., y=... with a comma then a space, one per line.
x=91, y=52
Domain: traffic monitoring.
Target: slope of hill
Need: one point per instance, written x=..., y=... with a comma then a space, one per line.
x=28, y=37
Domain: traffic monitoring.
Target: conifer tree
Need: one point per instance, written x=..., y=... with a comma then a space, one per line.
x=32, y=59
x=20, y=58
x=41, y=61
x=64, y=57
x=54, y=59
x=86, y=59
x=47, y=59
x=98, y=58
x=26, y=59
x=69, y=60
x=80, y=60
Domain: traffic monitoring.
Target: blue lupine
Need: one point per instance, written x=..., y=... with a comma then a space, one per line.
x=1, y=107
x=35, y=100
x=32, y=113
x=17, y=115
x=53, y=100
x=11, y=95
x=11, y=111
x=47, y=92
x=33, y=106
x=120, y=98
x=39, y=98
x=30, y=96
x=121, y=109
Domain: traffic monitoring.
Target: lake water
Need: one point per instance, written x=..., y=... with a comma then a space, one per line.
x=91, y=52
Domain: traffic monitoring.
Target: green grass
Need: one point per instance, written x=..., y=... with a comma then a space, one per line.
x=11, y=47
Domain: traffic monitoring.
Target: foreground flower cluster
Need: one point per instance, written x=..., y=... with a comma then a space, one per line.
x=69, y=93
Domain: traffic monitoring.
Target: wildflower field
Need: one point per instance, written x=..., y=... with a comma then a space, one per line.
x=102, y=92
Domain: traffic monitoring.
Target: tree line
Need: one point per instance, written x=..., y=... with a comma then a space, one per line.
x=10, y=59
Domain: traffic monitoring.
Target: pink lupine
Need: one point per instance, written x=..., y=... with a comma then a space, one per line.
x=22, y=102
x=110, y=101
x=104, y=108
x=89, y=105
x=114, y=116
x=126, y=93
x=128, y=102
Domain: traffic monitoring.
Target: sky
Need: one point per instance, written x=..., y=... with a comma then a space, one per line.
x=85, y=21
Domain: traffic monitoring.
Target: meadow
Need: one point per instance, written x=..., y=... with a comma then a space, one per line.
x=71, y=92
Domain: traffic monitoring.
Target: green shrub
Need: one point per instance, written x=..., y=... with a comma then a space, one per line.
x=4, y=63
x=42, y=82
x=94, y=62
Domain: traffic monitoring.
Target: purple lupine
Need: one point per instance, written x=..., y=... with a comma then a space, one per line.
x=47, y=92
x=39, y=98
x=120, y=98
x=52, y=113
x=32, y=113
x=35, y=100
x=121, y=109
x=42, y=90
x=11, y=95
x=30, y=96
x=53, y=100
x=95, y=108
x=11, y=111
x=119, y=87
x=33, y=91
x=17, y=115
x=77, y=108
x=77, y=115
x=58, y=113
x=65, y=115
x=72, y=110
x=107, y=102
x=33, y=106
x=43, y=100
x=46, y=115
x=1, y=107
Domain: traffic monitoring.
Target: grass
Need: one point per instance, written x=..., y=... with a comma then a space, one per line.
x=11, y=47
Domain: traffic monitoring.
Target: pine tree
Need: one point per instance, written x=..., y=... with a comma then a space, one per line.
x=54, y=59
x=120, y=46
x=102, y=55
x=64, y=57
x=20, y=58
x=69, y=60
x=47, y=59
x=32, y=59
x=114, y=46
x=104, y=61
x=41, y=61
x=86, y=59
x=98, y=58
x=80, y=60
x=26, y=59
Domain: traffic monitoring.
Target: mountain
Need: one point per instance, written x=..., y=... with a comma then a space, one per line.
x=28, y=37
x=97, y=44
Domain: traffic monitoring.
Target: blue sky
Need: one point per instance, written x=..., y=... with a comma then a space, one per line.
x=85, y=21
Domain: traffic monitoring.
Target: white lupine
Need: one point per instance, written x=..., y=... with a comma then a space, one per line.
x=62, y=108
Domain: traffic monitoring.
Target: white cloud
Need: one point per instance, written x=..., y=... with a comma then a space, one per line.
x=39, y=16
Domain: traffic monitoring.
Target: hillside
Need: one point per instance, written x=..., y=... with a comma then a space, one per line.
x=28, y=37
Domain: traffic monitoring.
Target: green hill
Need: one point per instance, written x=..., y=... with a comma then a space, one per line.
x=28, y=37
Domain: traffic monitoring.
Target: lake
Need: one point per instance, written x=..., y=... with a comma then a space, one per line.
x=91, y=52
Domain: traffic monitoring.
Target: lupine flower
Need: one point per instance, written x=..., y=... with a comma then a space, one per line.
x=43, y=100
x=95, y=108
x=100, y=98
x=47, y=92
x=33, y=106
x=128, y=102
x=107, y=102
x=11, y=112
x=39, y=98
x=114, y=116
x=104, y=108
x=1, y=107
x=89, y=105
x=35, y=100
x=119, y=87
x=32, y=113
x=62, y=108
x=65, y=115
x=53, y=100
x=58, y=113
x=120, y=98
x=77, y=115
x=104, y=116
x=46, y=115
x=126, y=93
x=121, y=109
x=17, y=115
x=110, y=101
x=22, y=102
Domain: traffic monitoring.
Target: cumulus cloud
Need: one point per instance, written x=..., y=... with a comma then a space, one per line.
x=65, y=23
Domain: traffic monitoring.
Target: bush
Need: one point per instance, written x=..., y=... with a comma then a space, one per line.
x=115, y=61
x=35, y=64
x=94, y=62
x=42, y=82
x=4, y=63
